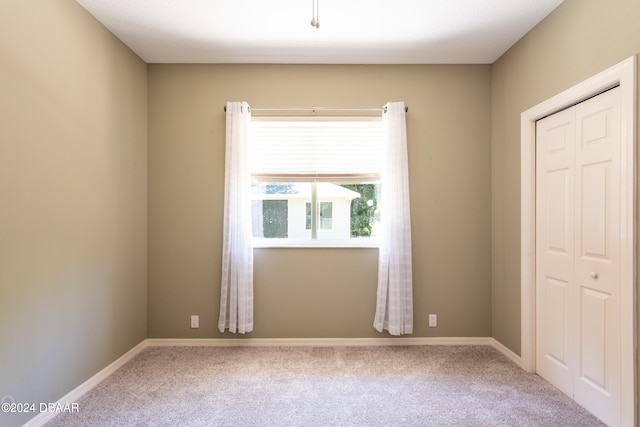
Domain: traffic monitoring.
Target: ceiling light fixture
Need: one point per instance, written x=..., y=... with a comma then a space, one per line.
x=315, y=21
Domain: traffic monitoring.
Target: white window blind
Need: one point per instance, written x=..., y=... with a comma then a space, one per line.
x=316, y=149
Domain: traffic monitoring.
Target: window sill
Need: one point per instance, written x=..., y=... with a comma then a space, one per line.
x=291, y=243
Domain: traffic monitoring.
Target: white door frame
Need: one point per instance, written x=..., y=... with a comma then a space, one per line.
x=624, y=75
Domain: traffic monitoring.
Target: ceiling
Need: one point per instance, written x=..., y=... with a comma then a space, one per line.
x=351, y=31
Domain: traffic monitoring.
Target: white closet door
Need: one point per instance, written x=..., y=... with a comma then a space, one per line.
x=578, y=253
x=597, y=263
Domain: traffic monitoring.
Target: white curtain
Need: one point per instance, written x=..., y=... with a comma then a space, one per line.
x=394, y=308
x=236, y=291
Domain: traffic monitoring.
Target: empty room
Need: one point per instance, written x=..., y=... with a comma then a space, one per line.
x=318, y=212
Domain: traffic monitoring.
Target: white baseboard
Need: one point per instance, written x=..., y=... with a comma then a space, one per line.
x=85, y=387
x=506, y=352
x=315, y=342
x=75, y=394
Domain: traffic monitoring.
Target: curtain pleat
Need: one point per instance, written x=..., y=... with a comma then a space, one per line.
x=394, y=306
x=236, y=290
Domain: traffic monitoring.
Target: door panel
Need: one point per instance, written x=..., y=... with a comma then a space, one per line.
x=556, y=321
x=558, y=226
x=593, y=338
x=594, y=209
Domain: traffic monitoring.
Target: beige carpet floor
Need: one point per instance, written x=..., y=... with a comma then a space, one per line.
x=324, y=386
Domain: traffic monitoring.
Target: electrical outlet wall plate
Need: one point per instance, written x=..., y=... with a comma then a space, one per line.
x=195, y=321
x=433, y=320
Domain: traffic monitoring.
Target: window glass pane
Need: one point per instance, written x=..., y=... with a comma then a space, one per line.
x=347, y=210
x=283, y=210
x=364, y=213
x=308, y=216
x=325, y=213
x=278, y=210
x=275, y=218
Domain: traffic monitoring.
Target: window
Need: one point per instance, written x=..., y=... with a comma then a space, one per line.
x=315, y=180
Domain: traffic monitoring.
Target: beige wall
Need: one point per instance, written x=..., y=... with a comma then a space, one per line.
x=73, y=122
x=578, y=40
x=302, y=293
